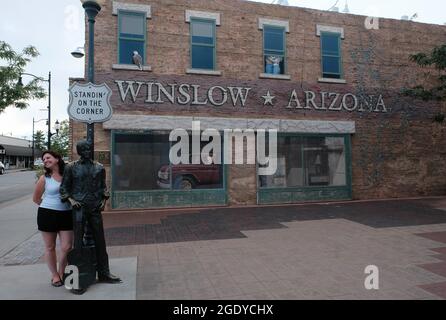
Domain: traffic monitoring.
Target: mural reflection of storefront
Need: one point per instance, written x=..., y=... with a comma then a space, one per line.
x=305, y=163
x=141, y=165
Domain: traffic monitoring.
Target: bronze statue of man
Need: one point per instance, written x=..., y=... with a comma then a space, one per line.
x=83, y=185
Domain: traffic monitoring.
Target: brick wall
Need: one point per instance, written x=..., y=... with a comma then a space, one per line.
x=394, y=154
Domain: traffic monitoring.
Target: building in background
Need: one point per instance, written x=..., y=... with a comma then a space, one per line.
x=328, y=82
x=16, y=153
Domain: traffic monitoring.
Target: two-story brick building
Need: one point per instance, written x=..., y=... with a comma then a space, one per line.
x=329, y=83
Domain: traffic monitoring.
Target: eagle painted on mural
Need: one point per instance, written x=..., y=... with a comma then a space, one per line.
x=137, y=59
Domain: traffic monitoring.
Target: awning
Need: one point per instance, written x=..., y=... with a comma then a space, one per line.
x=153, y=122
x=19, y=151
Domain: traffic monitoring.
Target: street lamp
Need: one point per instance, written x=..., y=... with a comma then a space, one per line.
x=79, y=52
x=57, y=127
x=20, y=84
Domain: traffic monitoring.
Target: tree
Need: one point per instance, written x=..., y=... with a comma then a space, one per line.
x=12, y=94
x=60, y=142
x=436, y=89
x=39, y=140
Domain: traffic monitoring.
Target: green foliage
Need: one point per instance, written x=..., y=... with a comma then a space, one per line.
x=60, y=142
x=39, y=140
x=12, y=94
x=436, y=59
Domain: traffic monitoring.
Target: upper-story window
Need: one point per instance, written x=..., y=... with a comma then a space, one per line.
x=274, y=49
x=274, y=55
x=132, y=36
x=331, y=53
x=203, y=43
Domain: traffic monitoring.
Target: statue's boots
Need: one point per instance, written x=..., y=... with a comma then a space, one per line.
x=108, y=278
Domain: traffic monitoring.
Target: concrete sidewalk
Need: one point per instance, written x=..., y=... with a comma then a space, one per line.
x=311, y=251
x=18, y=223
x=32, y=282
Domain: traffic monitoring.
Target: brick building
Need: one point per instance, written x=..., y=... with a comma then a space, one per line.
x=330, y=83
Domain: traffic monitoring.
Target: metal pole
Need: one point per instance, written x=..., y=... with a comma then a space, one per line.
x=32, y=163
x=92, y=9
x=49, y=111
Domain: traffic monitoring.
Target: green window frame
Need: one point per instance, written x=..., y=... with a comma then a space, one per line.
x=269, y=50
x=331, y=56
x=196, y=45
x=163, y=198
x=128, y=42
x=295, y=194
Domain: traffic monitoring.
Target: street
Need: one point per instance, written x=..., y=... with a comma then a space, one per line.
x=15, y=185
x=17, y=211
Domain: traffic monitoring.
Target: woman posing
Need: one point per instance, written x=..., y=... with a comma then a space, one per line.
x=53, y=216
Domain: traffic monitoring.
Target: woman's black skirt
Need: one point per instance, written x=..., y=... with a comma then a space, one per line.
x=53, y=220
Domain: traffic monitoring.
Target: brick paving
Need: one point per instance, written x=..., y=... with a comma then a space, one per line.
x=227, y=223
x=288, y=252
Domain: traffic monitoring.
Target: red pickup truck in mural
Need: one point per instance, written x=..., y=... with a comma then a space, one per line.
x=190, y=176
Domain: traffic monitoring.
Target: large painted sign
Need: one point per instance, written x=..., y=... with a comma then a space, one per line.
x=195, y=95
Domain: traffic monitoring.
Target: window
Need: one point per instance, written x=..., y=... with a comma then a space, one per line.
x=331, y=55
x=132, y=35
x=308, y=161
x=138, y=158
x=274, y=49
x=202, y=44
x=141, y=163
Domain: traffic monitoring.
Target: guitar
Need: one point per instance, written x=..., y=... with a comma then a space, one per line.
x=83, y=257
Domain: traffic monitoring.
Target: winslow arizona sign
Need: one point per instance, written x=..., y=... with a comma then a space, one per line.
x=195, y=95
x=90, y=103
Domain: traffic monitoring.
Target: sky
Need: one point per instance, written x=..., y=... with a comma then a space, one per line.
x=56, y=28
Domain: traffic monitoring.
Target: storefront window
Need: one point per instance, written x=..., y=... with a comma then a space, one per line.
x=137, y=160
x=308, y=161
x=141, y=163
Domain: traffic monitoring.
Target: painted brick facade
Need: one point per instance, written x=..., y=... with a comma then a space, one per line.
x=398, y=153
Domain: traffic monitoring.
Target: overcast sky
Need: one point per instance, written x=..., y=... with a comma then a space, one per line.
x=56, y=28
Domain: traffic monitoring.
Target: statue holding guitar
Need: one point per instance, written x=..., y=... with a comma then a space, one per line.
x=83, y=185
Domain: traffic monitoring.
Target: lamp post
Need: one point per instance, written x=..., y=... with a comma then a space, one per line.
x=92, y=9
x=20, y=83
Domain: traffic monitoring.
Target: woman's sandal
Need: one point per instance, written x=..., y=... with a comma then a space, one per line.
x=57, y=284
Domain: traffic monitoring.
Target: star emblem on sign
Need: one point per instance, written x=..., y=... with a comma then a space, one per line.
x=268, y=99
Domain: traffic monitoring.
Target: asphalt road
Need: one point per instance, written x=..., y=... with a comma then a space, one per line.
x=15, y=185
